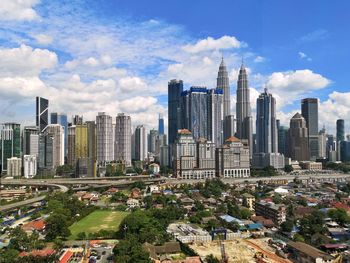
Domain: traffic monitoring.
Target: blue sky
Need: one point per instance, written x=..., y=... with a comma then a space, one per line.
x=113, y=56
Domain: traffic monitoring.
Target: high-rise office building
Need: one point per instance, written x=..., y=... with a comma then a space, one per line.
x=160, y=125
x=81, y=141
x=14, y=167
x=322, y=143
x=30, y=140
x=10, y=143
x=243, y=109
x=298, y=145
x=104, y=135
x=71, y=146
x=56, y=131
x=282, y=139
x=229, y=127
x=223, y=83
x=194, y=111
x=175, y=88
x=215, y=113
x=141, y=150
x=266, y=125
x=152, y=141
x=340, y=130
x=61, y=119
x=77, y=120
x=309, y=110
x=123, y=138
x=91, y=170
x=42, y=113
x=266, y=133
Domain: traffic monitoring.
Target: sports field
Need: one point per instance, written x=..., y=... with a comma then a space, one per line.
x=97, y=220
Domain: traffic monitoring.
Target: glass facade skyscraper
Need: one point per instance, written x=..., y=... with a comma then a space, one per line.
x=309, y=110
x=42, y=113
x=175, y=88
x=10, y=143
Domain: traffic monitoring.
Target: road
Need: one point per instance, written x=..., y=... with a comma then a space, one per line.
x=62, y=182
x=62, y=188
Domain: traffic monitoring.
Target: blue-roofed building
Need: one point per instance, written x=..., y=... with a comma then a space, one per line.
x=231, y=219
x=255, y=226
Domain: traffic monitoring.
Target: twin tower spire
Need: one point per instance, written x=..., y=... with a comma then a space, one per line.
x=243, y=110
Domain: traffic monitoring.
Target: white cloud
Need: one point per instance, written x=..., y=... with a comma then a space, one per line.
x=259, y=59
x=132, y=84
x=302, y=55
x=225, y=42
x=43, y=39
x=25, y=60
x=137, y=104
x=18, y=9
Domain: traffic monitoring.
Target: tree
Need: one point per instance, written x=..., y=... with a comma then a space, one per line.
x=245, y=213
x=298, y=238
x=81, y=236
x=9, y=255
x=339, y=215
x=130, y=251
x=288, y=168
x=287, y=226
x=211, y=259
x=57, y=226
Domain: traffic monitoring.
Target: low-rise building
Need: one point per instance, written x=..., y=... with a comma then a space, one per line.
x=248, y=201
x=304, y=253
x=275, y=212
x=312, y=166
x=262, y=160
x=188, y=233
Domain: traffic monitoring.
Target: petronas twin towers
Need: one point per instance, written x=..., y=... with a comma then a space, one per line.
x=243, y=110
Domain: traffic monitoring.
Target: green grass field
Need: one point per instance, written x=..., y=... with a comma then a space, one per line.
x=97, y=220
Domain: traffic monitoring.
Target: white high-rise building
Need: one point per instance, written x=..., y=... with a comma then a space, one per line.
x=56, y=131
x=141, y=150
x=104, y=134
x=29, y=166
x=14, y=166
x=123, y=138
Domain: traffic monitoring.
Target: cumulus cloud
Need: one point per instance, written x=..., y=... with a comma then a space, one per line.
x=25, y=61
x=224, y=42
x=18, y=9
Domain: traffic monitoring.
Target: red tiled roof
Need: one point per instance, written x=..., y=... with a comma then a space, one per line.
x=232, y=139
x=66, y=256
x=340, y=206
x=38, y=225
x=38, y=253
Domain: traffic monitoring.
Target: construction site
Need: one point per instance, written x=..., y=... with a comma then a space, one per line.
x=239, y=251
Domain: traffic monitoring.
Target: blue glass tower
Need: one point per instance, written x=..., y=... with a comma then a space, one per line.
x=160, y=125
x=61, y=119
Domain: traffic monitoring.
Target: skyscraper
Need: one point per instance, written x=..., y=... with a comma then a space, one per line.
x=104, y=135
x=175, y=88
x=42, y=113
x=123, y=138
x=30, y=140
x=141, y=143
x=266, y=126
x=215, y=112
x=309, y=110
x=152, y=141
x=194, y=111
x=160, y=125
x=340, y=130
x=91, y=126
x=10, y=143
x=71, y=146
x=229, y=127
x=282, y=138
x=61, y=119
x=223, y=83
x=298, y=139
x=266, y=133
x=56, y=132
x=243, y=110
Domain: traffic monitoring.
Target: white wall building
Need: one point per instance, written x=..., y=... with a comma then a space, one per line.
x=14, y=166
x=30, y=166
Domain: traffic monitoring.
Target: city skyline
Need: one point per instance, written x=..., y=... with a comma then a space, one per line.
x=58, y=63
